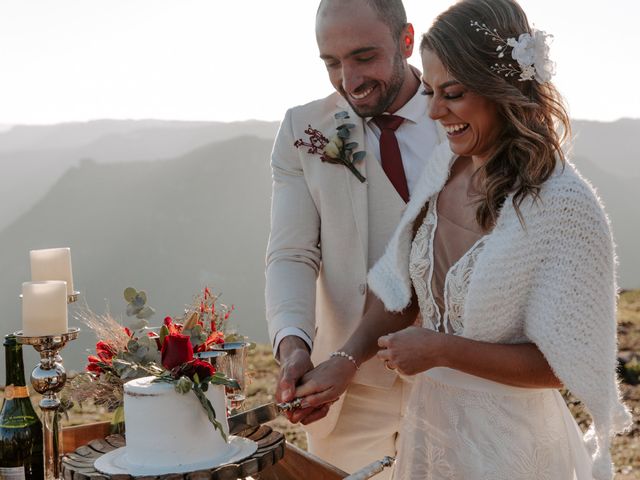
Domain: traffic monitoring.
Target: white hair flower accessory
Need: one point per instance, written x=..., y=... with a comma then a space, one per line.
x=530, y=51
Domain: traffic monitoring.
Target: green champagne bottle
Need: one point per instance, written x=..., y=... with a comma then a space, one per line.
x=21, y=455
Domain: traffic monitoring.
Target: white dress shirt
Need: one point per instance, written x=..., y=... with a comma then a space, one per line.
x=417, y=137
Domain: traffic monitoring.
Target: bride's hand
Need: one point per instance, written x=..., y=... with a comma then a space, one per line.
x=325, y=383
x=412, y=350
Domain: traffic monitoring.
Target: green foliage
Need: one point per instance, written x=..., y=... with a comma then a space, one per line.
x=136, y=304
x=130, y=294
x=196, y=334
x=206, y=404
x=127, y=369
x=347, y=156
x=183, y=385
x=222, y=379
x=630, y=371
x=164, y=331
x=359, y=156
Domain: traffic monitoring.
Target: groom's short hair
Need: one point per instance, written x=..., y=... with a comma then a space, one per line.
x=391, y=12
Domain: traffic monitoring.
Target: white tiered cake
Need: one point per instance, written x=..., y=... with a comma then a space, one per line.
x=164, y=427
x=169, y=432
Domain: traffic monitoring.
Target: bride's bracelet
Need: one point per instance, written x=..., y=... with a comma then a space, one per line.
x=340, y=353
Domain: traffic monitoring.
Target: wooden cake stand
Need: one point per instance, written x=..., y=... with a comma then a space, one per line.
x=78, y=465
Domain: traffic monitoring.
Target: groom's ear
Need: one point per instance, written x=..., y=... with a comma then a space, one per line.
x=407, y=40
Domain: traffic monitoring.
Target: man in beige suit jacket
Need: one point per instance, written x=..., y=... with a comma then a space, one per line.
x=328, y=228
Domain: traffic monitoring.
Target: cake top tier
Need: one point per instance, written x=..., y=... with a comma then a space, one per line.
x=146, y=386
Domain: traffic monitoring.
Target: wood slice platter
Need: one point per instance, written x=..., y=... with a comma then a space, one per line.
x=78, y=465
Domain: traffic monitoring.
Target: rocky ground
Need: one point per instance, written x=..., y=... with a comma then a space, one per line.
x=626, y=448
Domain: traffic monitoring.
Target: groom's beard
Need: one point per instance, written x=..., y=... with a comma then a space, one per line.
x=387, y=97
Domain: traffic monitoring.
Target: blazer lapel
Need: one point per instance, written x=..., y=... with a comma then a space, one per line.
x=357, y=189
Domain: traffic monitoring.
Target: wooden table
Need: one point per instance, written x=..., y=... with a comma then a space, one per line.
x=275, y=459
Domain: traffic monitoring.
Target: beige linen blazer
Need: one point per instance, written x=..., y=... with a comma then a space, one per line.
x=316, y=262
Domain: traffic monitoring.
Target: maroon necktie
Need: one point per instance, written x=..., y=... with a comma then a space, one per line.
x=390, y=153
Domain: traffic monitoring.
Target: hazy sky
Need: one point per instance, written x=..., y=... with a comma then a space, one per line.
x=75, y=60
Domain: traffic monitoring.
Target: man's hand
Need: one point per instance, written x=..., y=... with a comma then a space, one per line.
x=324, y=384
x=295, y=361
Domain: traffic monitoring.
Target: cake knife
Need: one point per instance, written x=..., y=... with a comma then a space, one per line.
x=259, y=415
x=372, y=469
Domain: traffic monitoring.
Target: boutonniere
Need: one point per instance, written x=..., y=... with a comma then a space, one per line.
x=337, y=150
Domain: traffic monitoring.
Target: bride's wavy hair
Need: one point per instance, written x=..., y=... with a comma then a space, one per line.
x=535, y=120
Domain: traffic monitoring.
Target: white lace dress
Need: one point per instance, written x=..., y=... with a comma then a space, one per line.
x=460, y=426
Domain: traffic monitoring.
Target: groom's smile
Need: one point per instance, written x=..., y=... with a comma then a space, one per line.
x=363, y=93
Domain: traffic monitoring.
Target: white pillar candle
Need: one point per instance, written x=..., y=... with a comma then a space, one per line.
x=44, y=308
x=52, y=264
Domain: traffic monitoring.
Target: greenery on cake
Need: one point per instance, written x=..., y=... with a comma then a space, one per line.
x=124, y=353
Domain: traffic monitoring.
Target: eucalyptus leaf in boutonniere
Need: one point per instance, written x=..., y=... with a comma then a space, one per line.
x=338, y=149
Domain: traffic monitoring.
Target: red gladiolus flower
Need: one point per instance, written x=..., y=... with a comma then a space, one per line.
x=214, y=337
x=190, y=369
x=176, y=350
x=128, y=332
x=173, y=327
x=94, y=364
x=105, y=352
x=207, y=292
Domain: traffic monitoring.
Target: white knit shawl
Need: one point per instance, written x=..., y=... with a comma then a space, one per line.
x=552, y=282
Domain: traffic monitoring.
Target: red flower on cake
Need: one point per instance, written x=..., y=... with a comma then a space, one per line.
x=195, y=367
x=176, y=350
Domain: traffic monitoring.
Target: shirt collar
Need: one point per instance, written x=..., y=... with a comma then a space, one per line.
x=413, y=110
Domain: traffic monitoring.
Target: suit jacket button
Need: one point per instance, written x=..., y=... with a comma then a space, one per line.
x=362, y=288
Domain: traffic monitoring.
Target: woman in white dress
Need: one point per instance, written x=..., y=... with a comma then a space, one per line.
x=506, y=254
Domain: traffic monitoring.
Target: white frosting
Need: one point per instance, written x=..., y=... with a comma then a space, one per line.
x=166, y=428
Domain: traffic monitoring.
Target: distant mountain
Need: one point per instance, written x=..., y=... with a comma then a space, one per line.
x=75, y=134
x=168, y=227
x=608, y=154
x=621, y=198
x=612, y=146
x=32, y=158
